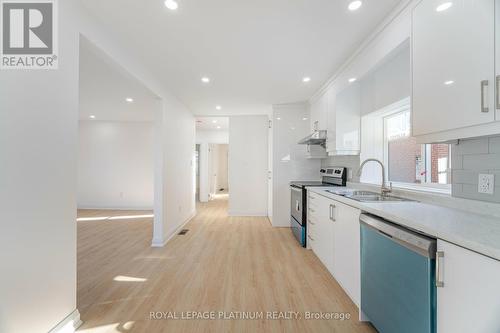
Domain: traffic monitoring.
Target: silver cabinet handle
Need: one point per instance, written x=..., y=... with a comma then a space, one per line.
x=332, y=215
x=484, y=103
x=312, y=210
x=439, y=279
x=310, y=222
x=498, y=92
x=310, y=238
x=297, y=205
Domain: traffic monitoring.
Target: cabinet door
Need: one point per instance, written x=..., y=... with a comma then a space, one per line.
x=453, y=56
x=497, y=55
x=469, y=300
x=319, y=113
x=323, y=232
x=347, y=250
x=348, y=120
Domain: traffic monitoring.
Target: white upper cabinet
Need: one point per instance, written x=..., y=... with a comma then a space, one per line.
x=497, y=60
x=319, y=113
x=344, y=120
x=453, y=56
x=469, y=298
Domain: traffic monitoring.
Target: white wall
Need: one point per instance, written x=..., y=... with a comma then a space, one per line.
x=206, y=136
x=389, y=82
x=38, y=175
x=290, y=162
x=116, y=165
x=38, y=144
x=222, y=167
x=248, y=165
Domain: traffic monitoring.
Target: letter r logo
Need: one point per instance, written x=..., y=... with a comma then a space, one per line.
x=27, y=27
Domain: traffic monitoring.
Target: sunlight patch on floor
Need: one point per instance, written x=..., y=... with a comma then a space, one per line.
x=121, y=278
x=112, y=218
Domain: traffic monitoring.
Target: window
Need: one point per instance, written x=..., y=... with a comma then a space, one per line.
x=386, y=135
x=409, y=162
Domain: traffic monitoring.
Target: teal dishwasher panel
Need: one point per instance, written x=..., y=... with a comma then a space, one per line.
x=398, y=292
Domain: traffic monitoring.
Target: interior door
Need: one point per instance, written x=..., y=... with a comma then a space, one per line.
x=453, y=56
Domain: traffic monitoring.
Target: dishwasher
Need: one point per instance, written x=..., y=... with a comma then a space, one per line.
x=398, y=268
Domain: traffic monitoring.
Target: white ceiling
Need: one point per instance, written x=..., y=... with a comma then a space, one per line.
x=212, y=123
x=255, y=52
x=104, y=87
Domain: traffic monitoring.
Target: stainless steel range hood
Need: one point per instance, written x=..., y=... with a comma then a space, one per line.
x=318, y=138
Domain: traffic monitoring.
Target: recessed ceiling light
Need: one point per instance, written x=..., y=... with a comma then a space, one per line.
x=171, y=4
x=305, y=118
x=92, y=117
x=355, y=5
x=130, y=100
x=214, y=121
x=218, y=107
x=218, y=127
x=205, y=79
x=450, y=82
x=278, y=118
x=352, y=79
x=444, y=6
x=306, y=79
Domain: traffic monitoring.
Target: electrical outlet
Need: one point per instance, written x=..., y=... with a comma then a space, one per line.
x=486, y=184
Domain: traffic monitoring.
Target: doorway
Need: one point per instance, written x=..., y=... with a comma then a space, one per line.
x=212, y=149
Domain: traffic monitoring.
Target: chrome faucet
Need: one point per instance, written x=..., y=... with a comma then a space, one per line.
x=384, y=189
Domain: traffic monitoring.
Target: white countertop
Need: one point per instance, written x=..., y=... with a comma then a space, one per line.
x=479, y=233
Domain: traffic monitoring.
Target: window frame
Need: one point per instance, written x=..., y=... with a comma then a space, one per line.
x=427, y=186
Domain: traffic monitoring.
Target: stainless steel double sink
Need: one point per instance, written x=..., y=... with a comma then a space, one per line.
x=367, y=196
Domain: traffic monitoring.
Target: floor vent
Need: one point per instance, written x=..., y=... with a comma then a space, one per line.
x=183, y=232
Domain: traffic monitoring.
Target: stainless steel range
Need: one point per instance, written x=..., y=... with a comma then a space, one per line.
x=332, y=176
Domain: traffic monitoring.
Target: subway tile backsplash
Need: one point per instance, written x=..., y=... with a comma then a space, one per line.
x=469, y=159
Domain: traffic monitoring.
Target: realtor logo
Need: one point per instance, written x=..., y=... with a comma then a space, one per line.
x=29, y=34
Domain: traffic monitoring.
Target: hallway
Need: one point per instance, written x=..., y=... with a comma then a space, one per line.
x=222, y=264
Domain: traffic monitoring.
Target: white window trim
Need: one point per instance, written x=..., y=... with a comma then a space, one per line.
x=401, y=106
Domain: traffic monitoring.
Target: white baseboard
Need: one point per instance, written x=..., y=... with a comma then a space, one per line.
x=244, y=214
x=160, y=243
x=69, y=324
x=90, y=207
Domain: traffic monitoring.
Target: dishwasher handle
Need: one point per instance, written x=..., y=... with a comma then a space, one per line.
x=439, y=278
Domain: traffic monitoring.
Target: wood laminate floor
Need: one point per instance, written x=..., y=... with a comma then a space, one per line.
x=223, y=264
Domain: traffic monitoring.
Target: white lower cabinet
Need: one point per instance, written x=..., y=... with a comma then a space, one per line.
x=334, y=236
x=321, y=234
x=347, y=250
x=469, y=299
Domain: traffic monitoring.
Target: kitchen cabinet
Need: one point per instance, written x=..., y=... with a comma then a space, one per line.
x=333, y=228
x=453, y=69
x=468, y=300
x=497, y=58
x=319, y=113
x=344, y=120
x=347, y=250
x=321, y=235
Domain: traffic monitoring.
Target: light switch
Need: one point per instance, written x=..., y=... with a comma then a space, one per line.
x=486, y=184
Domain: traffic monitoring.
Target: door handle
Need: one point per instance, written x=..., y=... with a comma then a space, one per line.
x=498, y=92
x=439, y=278
x=332, y=213
x=297, y=205
x=484, y=96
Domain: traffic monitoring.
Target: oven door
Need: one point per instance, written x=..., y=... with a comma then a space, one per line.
x=296, y=204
